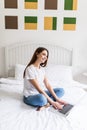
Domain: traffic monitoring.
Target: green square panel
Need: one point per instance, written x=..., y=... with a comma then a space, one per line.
x=31, y=4
x=50, y=23
x=30, y=22
x=69, y=23
x=70, y=4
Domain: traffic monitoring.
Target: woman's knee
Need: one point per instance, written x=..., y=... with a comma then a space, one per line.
x=37, y=100
x=59, y=91
x=25, y=100
x=42, y=99
x=62, y=91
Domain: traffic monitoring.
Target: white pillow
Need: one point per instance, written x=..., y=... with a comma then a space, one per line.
x=19, y=69
x=59, y=73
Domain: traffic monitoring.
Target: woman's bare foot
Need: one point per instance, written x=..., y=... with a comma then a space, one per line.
x=43, y=107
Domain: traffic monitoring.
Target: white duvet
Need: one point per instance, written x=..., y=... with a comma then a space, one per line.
x=15, y=115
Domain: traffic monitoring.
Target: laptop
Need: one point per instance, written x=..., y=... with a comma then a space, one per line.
x=64, y=111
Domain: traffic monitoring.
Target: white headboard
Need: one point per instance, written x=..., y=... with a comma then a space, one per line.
x=21, y=53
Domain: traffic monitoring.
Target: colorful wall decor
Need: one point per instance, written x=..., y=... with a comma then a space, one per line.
x=69, y=23
x=10, y=4
x=11, y=22
x=70, y=5
x=31, y=4
x=51, y=4
x=30, y=22
x=49, y=14
x=50, y=23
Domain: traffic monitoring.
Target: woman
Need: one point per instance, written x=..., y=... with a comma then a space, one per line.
x=35, y=81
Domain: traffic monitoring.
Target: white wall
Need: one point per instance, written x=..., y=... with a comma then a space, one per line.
x=71, y=39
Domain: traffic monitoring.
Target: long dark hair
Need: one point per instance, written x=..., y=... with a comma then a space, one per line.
x=34, y=58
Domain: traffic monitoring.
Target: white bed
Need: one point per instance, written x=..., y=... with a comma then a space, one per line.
x=16, y=115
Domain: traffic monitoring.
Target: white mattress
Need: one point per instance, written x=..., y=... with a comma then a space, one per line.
x=15, y=115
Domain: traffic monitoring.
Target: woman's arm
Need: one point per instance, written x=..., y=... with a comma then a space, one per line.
x=37, y=86
x=49, y=87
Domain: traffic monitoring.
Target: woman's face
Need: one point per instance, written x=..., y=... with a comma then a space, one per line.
x=42, y=57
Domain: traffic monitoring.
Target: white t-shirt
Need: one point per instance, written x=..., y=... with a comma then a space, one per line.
x=33, y=73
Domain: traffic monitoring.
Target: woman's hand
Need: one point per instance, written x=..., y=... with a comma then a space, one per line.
x=56, y=105
x=61, y=102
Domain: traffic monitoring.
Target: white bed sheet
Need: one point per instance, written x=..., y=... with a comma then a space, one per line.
x=15, y=115
x=11, y=80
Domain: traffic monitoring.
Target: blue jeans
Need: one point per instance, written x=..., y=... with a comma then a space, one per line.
x=40, y=99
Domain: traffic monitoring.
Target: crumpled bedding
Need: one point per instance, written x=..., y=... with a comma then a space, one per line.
x=15, y=115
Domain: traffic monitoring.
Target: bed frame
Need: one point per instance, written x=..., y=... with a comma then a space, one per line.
x=20, y=53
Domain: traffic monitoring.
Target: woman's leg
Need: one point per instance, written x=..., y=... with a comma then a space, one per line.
x=35, y=100
x=59, y=92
